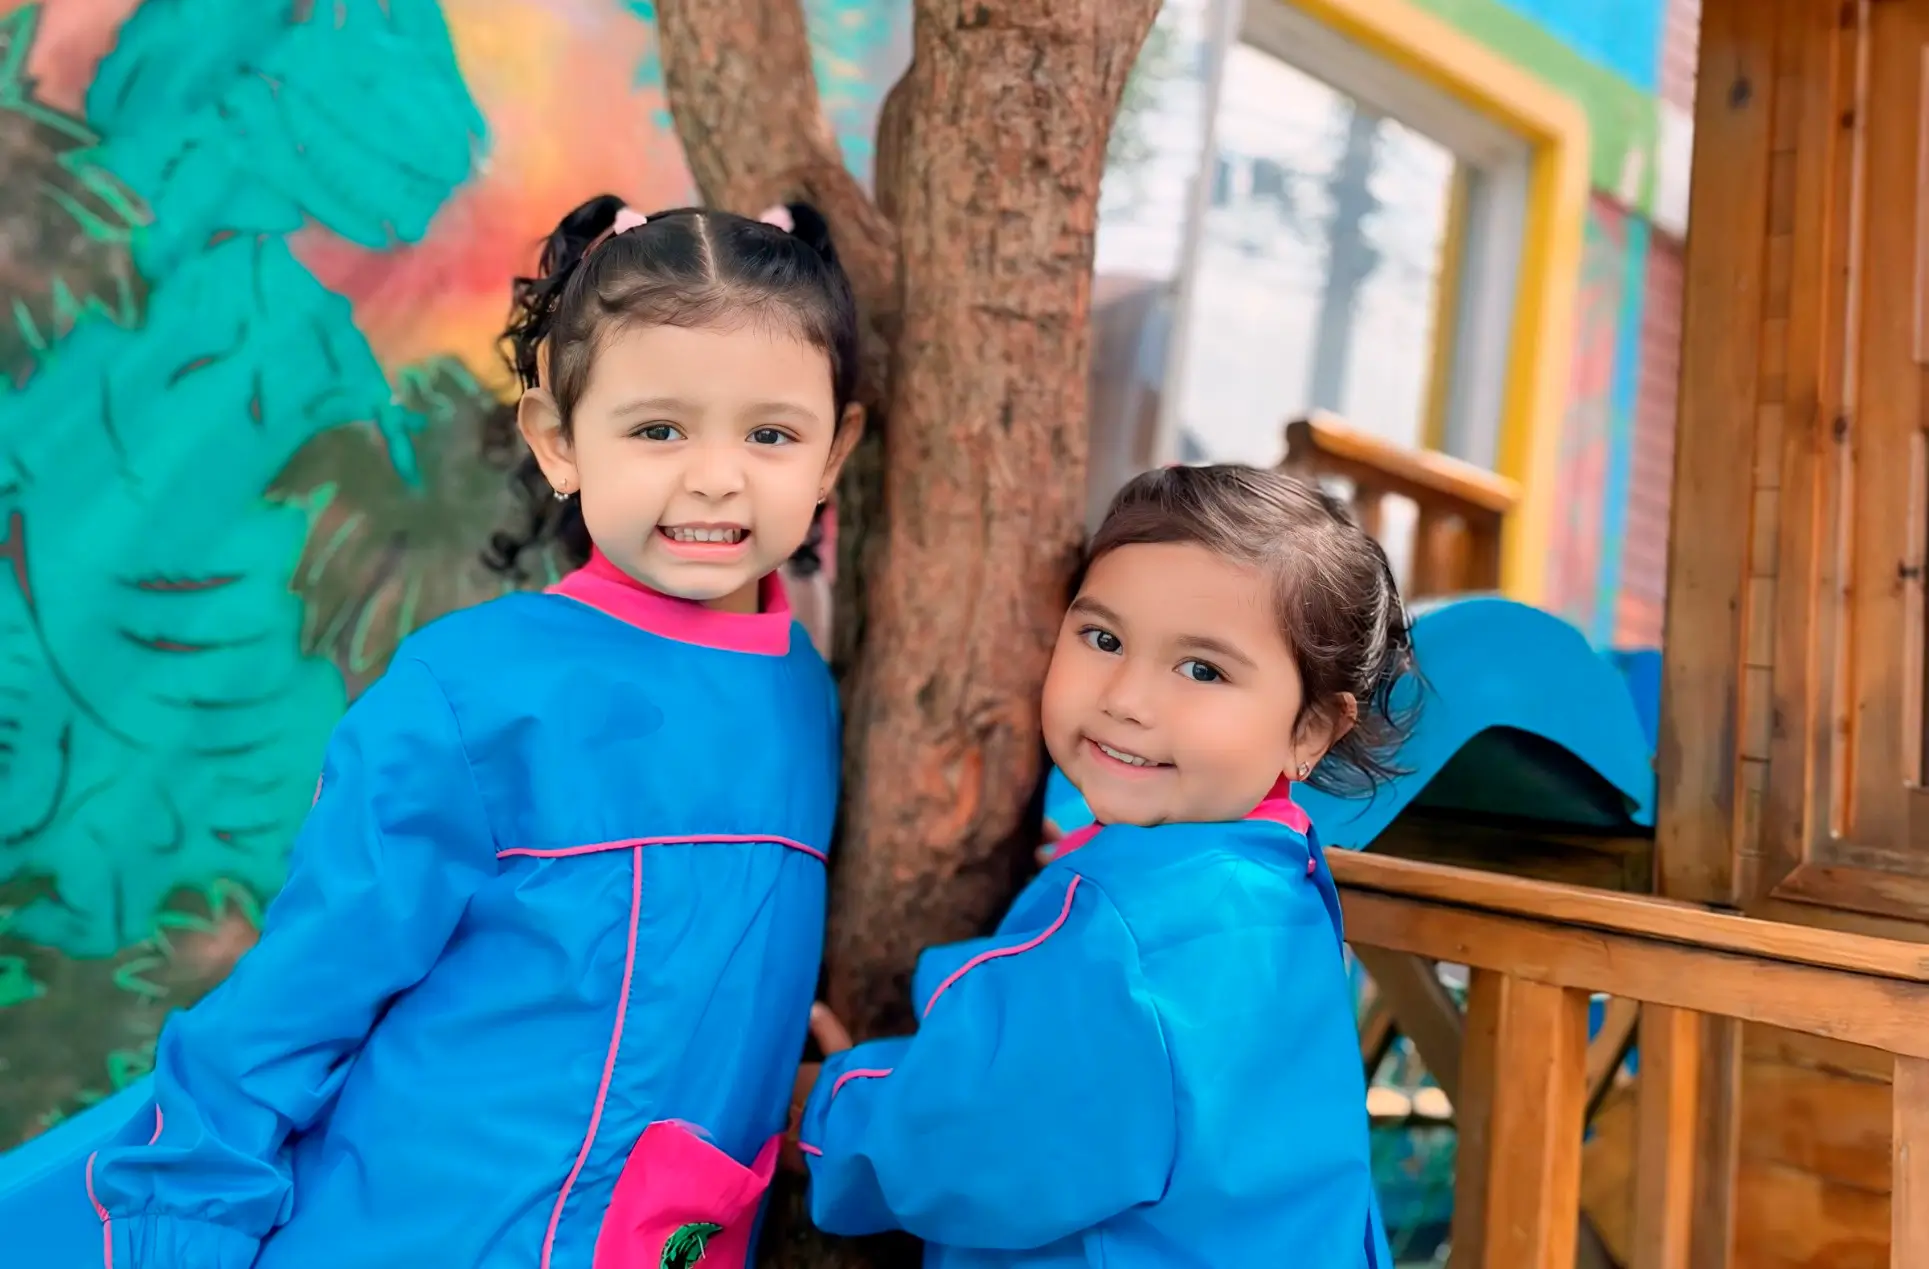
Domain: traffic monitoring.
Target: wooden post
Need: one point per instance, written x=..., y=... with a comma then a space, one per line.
x=1909, y=1188
x=1534, y=1153
x=1664, y=1157
x=1425, y=1013
x=1473, y=1113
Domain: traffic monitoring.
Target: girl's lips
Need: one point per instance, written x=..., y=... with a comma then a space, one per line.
x=705, y=552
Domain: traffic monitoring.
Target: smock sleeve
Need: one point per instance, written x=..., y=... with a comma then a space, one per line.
x=936, y=964
x=382, y=870
x=1034, y=1102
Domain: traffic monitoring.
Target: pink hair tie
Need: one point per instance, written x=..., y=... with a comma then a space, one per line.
x=780, y=217
x=627, y=218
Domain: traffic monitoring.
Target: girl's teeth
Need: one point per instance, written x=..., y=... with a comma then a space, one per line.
x=1130, y=759
x=705, y=535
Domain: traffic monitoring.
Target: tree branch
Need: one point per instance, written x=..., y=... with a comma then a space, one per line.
x=743, y=94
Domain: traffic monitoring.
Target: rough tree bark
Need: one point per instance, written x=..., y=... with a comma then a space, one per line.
x=962, y=517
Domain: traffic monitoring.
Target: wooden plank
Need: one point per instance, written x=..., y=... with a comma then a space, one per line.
x=1856, y=1007
x=1326, y=442
x=1794, y=1220
x=1377, y=1034
x=1722, y=310
x=1820, y=54
x=1631, y=914
x=1473, y=1119
x=1921, y=289
x=1718, y=1094
x=1423, y=1010
x=1534, y=1161
x=1668, y=1090
x=1835, y=1126
x=1909, y=1191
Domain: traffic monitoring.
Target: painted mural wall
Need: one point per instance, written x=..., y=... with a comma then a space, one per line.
x=253, y=257
x=1629, y=65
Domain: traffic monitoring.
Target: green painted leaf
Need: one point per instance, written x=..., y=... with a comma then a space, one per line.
x=398, y=513
x=17, y=985
x=67, y=222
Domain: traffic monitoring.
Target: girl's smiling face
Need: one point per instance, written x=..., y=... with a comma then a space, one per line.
x=1172, y=694
x=700, y=454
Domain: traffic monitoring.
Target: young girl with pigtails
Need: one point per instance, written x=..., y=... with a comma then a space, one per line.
x=534, y=992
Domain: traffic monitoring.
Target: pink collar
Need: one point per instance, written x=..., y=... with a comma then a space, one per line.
x=1277, y=806
x=602, y=585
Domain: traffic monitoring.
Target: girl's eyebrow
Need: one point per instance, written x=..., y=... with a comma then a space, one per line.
x=655, y=405
x=1092, y=608
x=1216, y=648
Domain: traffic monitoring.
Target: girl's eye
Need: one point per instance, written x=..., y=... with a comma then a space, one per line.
x=657, y=432
x=1200, y=672
x=1102, y=640
x=770, y=436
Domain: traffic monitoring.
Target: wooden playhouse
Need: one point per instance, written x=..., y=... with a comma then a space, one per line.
x=1766, y=947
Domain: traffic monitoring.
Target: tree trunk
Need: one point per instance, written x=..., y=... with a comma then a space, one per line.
x=962, y=517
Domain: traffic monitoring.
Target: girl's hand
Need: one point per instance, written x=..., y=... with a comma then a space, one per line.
x=832, y=1037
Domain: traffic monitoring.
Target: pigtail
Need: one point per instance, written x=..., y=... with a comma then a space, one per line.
x=540, y=519
x=809, y=227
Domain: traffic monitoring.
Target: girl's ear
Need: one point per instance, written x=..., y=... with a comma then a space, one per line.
x=540, y=421
x=850, y=430
x=1323, y=728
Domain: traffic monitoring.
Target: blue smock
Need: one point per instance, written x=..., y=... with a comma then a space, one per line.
x=1153, y=1062
x=551, y=931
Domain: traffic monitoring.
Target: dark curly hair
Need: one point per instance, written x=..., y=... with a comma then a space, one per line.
x=685, y=267
x=1333, y=591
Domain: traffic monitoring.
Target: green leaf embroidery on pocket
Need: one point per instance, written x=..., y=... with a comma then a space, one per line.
x=686, y=1247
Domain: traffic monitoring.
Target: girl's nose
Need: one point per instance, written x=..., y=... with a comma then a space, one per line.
x=714, y=472
x=1126, y=696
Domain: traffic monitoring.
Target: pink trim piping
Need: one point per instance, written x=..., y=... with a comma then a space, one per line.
x=809, y=1149
x=603, y=586
x=107, y=1224
x=609, y=1060
x=1071, y=892
x=1277, y=806
x=871, y=1073
x=694, y=839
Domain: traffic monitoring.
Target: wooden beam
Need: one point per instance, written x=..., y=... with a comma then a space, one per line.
x=1423, y=1010
x=1857, y=1007
x=1630, y=914
x=1664, y=1150
x=1697, y=758
x=1327, y=443
x=1909, y=1190
x=1534, y=1159
x=1473, y=1121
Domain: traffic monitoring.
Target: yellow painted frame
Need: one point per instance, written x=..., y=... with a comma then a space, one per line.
x=1542, y=341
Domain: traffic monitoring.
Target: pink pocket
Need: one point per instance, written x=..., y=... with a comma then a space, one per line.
x=681, y=1202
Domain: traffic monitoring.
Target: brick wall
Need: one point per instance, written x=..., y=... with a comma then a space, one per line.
x=1680, y=38
x=1644, y=556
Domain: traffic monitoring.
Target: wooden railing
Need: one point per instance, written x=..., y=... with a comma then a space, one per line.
x=1461, y=506
x=1536, y=951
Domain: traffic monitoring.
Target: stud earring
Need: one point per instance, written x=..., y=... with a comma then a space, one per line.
x=1305, y=769
x=562, y=495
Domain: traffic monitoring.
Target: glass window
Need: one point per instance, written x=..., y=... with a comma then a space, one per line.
x=1319, y=267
